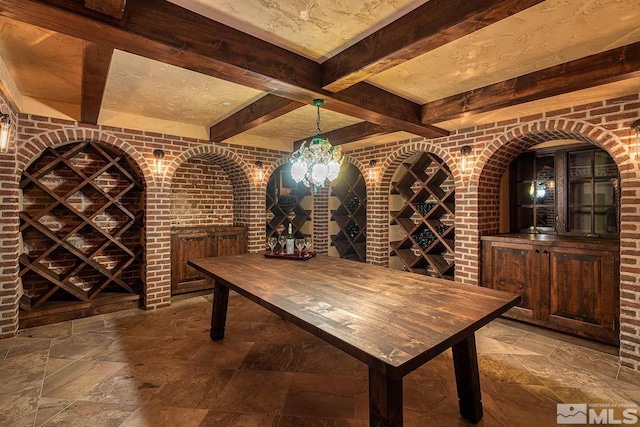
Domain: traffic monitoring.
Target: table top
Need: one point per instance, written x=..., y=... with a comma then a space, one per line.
x=392, y=320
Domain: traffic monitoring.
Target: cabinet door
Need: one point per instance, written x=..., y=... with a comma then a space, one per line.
x=229, y=243
x=513, y=267
x=584, y=292
x=184, y=247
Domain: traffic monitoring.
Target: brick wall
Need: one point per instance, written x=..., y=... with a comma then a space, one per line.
x=494, y=146
x=201, y=194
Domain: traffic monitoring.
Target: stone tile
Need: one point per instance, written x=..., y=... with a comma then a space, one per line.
x=439, y=368
x=536, y=343
x=153, y=416
x=292, y=421
x=325, y=359
x=502, y=332
x=255, y=391
x=272, y=357
x=627, y=379
x=87, y=324
x=234, y=419
x=321, y=396
x=505, y=368
x=55, y=330
x=518, y=405
x=28, y=346
x=221, y=354
x=94, y=414
x=589, y=395
x=54, y=365
x=593, y=361
x=554, y=374
x=48, y=408
x=79, y=345
x=19, y=409
x=134, y=384
x=77, y=378
x=134, y=350
x=192, y=387
x=23, y=372
x=245, y=331
x=284, y=332
x=241, y=308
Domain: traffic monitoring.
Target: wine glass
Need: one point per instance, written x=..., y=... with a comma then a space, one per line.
x=300, y=246
x=273, y=241
x=308, y=242
x=282, y=240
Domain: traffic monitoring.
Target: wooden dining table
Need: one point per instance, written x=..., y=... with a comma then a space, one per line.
x=393, y=321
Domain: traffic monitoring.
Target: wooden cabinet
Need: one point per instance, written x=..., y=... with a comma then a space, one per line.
x=201, y=242
x=568, y=284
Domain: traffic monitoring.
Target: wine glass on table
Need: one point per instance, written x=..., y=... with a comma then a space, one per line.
x=273, y=241
x=282, y=240
x=307, y=243
x=300, y=245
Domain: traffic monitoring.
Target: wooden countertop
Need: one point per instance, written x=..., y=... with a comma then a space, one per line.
x=552, y=239
x=205, y=228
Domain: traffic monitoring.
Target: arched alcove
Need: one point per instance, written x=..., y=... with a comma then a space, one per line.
x=82, y=222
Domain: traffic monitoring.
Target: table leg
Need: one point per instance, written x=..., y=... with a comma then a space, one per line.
x=219, y=313
x=385, y=400
x=465, y=363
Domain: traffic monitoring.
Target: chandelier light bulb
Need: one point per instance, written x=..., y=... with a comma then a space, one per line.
x=298, y=170
x=319, y=173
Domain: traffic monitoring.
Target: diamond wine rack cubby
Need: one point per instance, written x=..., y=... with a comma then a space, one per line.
x=348, y=204
x=287, y=202
x=422, y=217
x=82, y=224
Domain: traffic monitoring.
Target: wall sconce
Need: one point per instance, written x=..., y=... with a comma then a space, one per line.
x=635, y=126
x=464, y=158
x=5, y=128
x=372, y=170
x=260, y=167
x=159, y=155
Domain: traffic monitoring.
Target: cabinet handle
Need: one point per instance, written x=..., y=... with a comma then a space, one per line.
x=536, y=250
x=545, y=251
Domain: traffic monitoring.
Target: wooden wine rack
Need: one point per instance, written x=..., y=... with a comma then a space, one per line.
x=427, y=216
x=351, y=214
x=81, y=226
x=284, y=209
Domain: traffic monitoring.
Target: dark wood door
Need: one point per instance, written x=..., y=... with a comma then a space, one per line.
x=583, y=292
x=185, y=246
x=229, y=243
x=513, y=268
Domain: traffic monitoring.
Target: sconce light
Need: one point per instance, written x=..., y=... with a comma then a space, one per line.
x=159, y=155
x=635, y=126
x=260, y=167
x=5, y=127
x=372, y=170
x=464, y=158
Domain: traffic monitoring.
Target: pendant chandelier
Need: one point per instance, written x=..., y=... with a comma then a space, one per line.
x=317, y=162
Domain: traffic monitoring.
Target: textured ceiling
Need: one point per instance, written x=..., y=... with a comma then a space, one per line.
x=317, y=29
x=46, y=67
x=149, y=88
x=43, y=64
x=550, y=33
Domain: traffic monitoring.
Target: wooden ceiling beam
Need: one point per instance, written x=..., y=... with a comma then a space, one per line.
x=348, y=134
x=264, y=109
x=113, y=8
x=424, y=29
x=200, y=44
x=96, y=61
x=594, y=70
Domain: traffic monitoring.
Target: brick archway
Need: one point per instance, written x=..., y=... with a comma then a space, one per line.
x=497, y=156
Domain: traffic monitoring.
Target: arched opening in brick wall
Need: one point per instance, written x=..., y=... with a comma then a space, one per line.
x=209, y=188
x=378, y=195
x=501, y=154
x=82, y=228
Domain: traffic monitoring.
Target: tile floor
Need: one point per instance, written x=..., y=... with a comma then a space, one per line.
x=160, y=368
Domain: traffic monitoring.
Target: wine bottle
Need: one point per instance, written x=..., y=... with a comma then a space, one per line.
x=290, y=243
